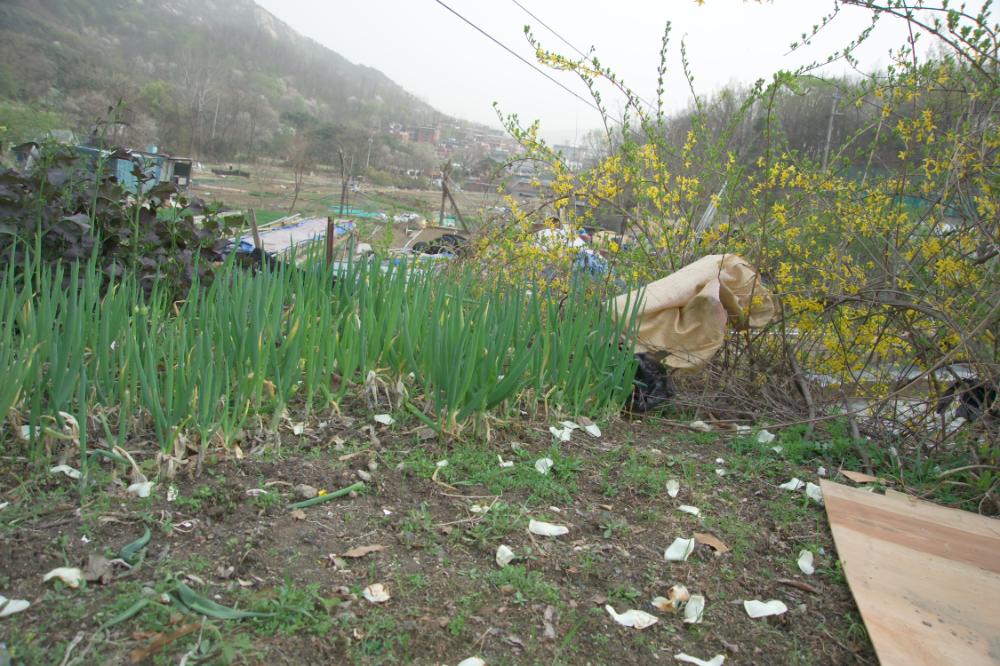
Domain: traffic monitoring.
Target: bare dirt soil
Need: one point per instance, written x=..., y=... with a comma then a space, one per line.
x=230, y=536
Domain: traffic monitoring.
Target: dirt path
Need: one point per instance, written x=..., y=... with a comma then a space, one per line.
x=230, y=536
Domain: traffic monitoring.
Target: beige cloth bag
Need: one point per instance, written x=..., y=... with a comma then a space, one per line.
x=685, y=314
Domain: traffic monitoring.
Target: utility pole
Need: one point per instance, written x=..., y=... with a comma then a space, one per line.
x=444, y=190
x=829, y=128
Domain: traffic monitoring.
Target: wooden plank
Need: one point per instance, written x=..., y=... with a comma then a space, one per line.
x=925, y=578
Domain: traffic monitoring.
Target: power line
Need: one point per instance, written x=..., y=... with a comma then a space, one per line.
x=519, y=57
x=567, y=43
x=552, y=30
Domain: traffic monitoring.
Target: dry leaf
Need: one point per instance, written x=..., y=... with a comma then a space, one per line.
x=755, y=608
x=384, y=419
x=805, y=562
x=69, y=575
x=673, y=487
x=694, y=609
x=687, y=508
x=860, y=477
x=546, y=529
x=701, y=426
x=298, y=514
x=98, y=569
x=636, y=619
x=717, y=660
x=712, y=541
x=679, y=550
x=377, y=593
x=361, y=551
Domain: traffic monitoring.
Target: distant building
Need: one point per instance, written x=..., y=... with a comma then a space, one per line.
x=426, y=134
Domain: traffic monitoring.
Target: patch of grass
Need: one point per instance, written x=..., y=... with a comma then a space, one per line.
x=295, y=610
x=383, y=640
x=476, y=464
x=498, y=522
x=528, y=585
x=734, y=531
x=635, y=470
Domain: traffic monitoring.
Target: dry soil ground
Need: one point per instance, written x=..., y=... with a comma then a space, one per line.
x=231, y=536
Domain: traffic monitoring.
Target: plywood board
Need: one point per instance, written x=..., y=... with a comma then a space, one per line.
x=926, y=578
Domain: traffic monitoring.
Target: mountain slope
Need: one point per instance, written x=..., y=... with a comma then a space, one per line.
x=213, y=78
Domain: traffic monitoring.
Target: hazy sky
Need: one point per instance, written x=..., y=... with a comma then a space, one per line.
x=435, y=55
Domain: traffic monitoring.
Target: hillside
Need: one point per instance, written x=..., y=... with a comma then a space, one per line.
x=212, y=78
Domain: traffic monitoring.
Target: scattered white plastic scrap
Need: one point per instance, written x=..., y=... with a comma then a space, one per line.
x=814, y=492
x=687, y=508
x=805, y=562
x=472, y=661
x=69, y=575
x=717, y=660
x=755, y=608
x=590, y=427
x=141, y=487
x=377, y=593
x=569, y=425
x=4, y=505
x=504, y=556
x=719, y=471
x=777, y=449
x=794, y=484
x=546, y=529
x=67, y=470
x=636, y=619
x=676, y=597
x=700, y=426
x=543, y=465
x=679, y=550
x=765, y=437
x=172, y=493
x=673, y=487
x=504, y=463
x=694, y=609
x=821, y=471
x=562, y=434
x=384, y=419
x=11, y=606
x=298, y=429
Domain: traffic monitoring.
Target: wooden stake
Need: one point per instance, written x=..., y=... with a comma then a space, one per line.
x=256, y=234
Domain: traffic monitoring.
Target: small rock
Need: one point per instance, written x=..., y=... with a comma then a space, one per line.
x=372, y=465
x=305, y=491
